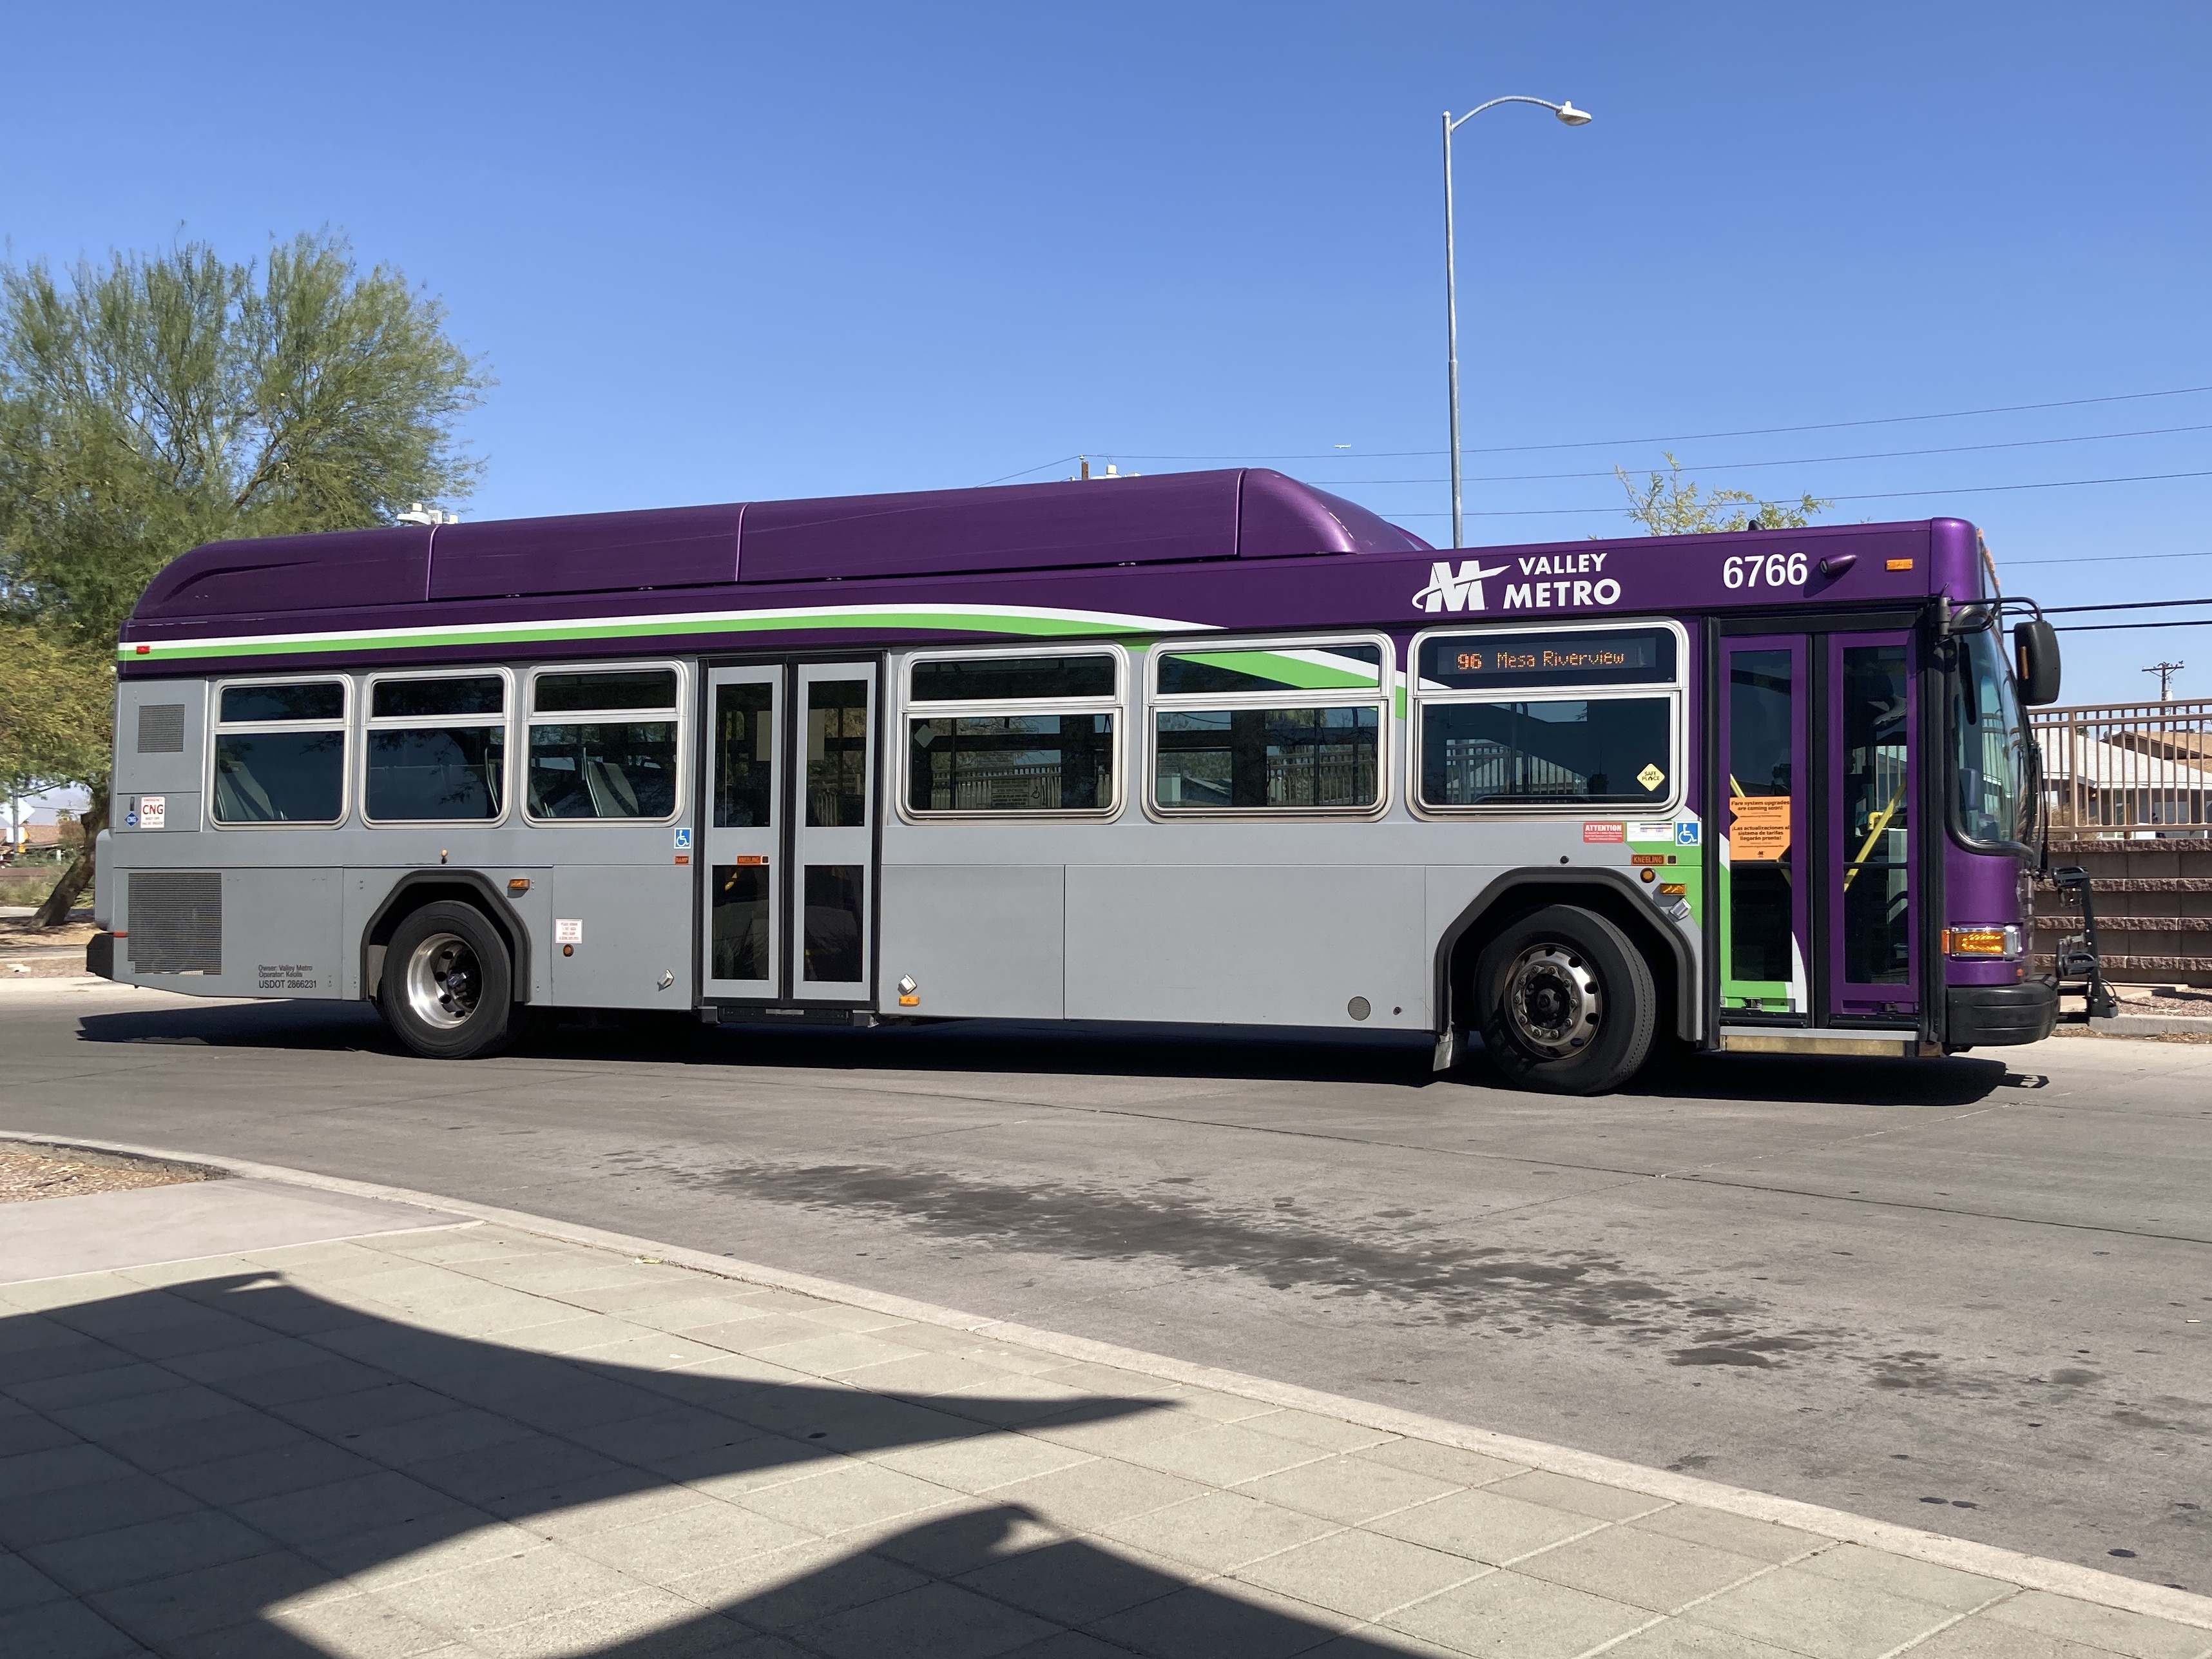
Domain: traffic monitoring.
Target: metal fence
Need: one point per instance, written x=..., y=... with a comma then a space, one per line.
x=2139, y=769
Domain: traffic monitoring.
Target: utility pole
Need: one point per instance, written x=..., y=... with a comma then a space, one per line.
x=2166, y=672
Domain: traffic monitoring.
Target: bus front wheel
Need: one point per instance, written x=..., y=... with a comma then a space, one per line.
x=1568, y=1001
x=448, y=989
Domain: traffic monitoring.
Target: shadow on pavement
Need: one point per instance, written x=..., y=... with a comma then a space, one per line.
x=974, y=1046
x=986, y=1583
x=174, y=1463
x=1002, y=1047
x=1954, y=1080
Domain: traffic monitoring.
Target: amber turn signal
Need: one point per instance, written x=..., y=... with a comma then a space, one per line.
x=1980, y=940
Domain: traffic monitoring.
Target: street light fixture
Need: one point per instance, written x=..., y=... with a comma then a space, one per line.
x=1571, y=117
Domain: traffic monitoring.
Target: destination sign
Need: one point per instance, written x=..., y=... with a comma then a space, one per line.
x=1562, y=656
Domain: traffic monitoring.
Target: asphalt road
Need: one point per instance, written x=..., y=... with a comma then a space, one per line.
x=1962, y=1294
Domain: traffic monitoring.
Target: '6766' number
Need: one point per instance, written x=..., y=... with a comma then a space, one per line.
x=1775, y=570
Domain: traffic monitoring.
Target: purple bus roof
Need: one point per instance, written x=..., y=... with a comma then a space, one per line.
x=1171, y=518
x=1239, y=549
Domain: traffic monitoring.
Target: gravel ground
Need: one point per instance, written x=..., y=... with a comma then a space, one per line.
x=29, y=1172
x=29, y=952
x=2185, y=1000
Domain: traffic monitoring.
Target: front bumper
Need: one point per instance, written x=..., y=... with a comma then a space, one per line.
x=1990, y=1016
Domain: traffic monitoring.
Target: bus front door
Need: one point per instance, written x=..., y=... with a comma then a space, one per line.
x=787, y=866
x=1817, y=807
x=1872, y=950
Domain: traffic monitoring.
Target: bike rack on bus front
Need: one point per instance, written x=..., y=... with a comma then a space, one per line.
x=2077, y=956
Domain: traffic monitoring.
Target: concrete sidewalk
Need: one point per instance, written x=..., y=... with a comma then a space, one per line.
x=467, y=1433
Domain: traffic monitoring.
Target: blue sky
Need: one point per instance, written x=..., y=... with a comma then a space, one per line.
x=722, y=253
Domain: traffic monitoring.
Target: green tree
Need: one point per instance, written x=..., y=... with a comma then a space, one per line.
x=1668, y=504
x=57, y=706
x=159, y=401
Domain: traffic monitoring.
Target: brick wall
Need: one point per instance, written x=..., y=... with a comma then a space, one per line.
x=2153, y=906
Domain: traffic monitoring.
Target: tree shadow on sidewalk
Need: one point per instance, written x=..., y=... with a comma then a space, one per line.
x=174, y=1463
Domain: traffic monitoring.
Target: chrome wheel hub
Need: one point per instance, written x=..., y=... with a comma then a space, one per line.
x=443, y=980
x=1553, y=1000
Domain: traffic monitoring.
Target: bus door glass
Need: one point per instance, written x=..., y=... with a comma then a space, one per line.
x=833, y=833
x=743, y=863
x=1872, y=946
x=1766, y=912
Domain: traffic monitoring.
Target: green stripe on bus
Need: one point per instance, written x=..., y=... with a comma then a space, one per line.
x=640, y=628
x=1292, y=672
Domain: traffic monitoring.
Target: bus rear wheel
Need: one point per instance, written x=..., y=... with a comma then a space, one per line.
x=1568, y=1005
x=448, y=988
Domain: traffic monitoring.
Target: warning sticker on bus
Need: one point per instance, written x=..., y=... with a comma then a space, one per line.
x=1605, y=831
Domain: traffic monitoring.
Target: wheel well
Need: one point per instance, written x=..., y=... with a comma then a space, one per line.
x=413, y=892
x=1606, y=893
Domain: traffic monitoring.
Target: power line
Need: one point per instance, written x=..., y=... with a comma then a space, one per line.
x=1997, y=489
x=1694, y=437
x=2112, y=627
x=2110, y=559
x=1803, y=461
x=1877, y=495
x=2132, y=605
x=1026, y=471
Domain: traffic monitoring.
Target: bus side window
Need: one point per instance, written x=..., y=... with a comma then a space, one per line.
x=603, y=745
x=1580, y=715
x=436, y=749
x=1012, y=734
x=1295, y=726
x=280, y=753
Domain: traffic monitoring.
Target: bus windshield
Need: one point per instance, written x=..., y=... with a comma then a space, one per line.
x=1992, y=743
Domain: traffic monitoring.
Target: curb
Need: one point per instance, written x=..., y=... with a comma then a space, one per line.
x=2151, y=1025
x=1988, y=1560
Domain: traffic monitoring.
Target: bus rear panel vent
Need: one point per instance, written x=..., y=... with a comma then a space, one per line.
x=176, y=921
x=162, y=728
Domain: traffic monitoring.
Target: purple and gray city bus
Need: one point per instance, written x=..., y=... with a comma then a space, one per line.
x=1215, y=748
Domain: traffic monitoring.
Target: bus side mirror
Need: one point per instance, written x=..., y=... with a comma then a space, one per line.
x=2035, y=647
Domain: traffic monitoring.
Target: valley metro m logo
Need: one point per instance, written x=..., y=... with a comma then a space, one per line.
x=1447, y=592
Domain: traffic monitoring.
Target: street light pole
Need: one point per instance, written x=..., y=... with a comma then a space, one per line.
x=1574, y=117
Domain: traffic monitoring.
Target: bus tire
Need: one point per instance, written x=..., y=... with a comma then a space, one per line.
x=1568, y=1004
x=448, y=988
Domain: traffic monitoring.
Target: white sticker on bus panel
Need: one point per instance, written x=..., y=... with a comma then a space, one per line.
x=153, y=812
x=568, y=930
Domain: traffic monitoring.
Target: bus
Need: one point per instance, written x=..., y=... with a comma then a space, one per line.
x=1211, y=749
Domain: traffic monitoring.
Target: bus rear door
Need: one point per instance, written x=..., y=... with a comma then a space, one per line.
x=788, y=866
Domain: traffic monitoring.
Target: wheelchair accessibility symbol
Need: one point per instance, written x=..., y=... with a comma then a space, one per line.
x=1686, y=835
x=683, y=840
